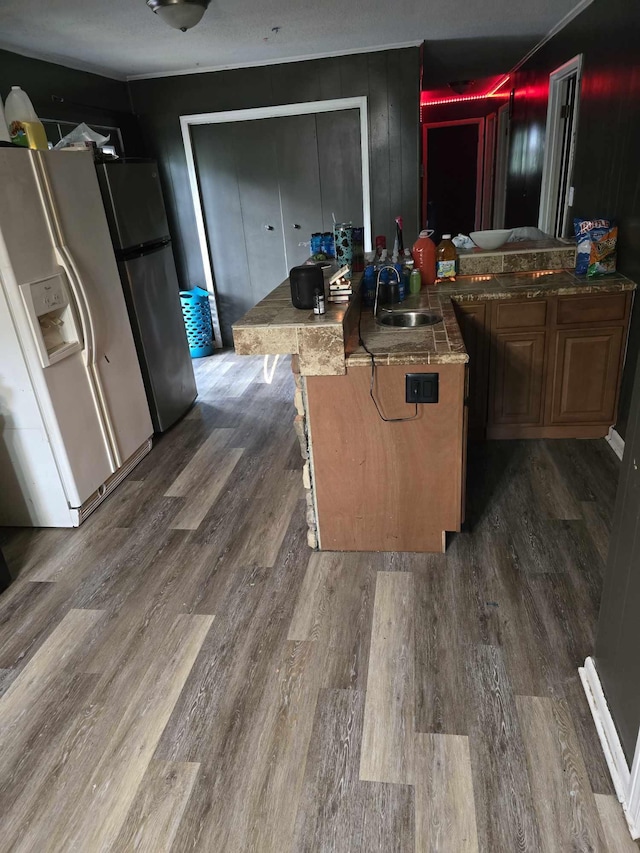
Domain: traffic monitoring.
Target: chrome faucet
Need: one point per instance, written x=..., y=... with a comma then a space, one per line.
x=385, y=267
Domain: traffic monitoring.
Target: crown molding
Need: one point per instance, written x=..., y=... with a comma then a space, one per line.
x=262, y=62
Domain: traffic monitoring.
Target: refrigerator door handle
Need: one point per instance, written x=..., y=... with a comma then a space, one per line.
x=75, y=279
x=65, y=259
x=70, y=267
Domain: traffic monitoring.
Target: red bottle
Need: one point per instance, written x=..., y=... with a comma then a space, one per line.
x=424, y=256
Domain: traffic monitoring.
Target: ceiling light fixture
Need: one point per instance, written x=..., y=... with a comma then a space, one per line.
x=461, y=87
x=179, y=14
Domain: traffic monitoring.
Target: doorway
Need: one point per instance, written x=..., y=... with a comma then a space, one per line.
x=556, y=197
x=262, y=182
x=453, y=169
x=502, y=159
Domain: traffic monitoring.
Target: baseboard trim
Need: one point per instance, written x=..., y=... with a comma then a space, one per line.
x=609, y=740
x=616, y=442
x=509, y=431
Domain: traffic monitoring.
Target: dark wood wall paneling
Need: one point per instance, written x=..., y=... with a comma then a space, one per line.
x=390, y=80
x=607, y=184
x=618, y=637
x=607, y=178
x=88, y=97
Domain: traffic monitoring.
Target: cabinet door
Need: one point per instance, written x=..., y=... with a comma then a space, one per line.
x=472, y=320
x=518, y=378
x=585, y=375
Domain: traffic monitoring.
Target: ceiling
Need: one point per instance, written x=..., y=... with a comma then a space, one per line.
x=123, y=38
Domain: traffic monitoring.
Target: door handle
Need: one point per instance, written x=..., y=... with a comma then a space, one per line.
x=268, y=227
x=296, y=226
x=67, y=262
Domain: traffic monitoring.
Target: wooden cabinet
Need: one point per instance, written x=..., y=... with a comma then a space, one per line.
x=545, y=368
x=517, y=380
x=408, y=475
x=472, y=318
x=586, y=367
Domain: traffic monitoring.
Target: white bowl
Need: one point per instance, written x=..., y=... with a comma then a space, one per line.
x=491, y=239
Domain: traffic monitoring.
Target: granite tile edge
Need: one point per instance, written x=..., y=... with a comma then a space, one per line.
x=526, y=260
x=614, y=286
x=362, y=359
x=266, y=340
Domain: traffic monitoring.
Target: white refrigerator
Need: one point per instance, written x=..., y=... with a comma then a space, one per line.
x=74, y=419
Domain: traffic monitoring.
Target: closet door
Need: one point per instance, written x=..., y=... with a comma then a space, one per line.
x=238, y=176
x=257, y=170
x=213, y=147
x=299, y=184
x=258, y=181
x=340, y=164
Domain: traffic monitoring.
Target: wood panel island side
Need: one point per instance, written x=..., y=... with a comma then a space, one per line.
x=383, y=485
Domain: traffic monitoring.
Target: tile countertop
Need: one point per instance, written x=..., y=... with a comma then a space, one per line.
x=442, y=343
x=521, y=256
x=327, y=345
x=274, y=326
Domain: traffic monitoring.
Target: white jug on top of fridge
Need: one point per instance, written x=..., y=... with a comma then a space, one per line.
x=25, y=128
x=4, y=130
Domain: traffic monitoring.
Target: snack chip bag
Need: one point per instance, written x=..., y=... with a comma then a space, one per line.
x=588, y=232
x=602, y=257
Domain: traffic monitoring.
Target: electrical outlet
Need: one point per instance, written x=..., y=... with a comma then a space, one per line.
x=422, y=387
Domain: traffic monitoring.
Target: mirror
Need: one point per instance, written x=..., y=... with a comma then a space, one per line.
x=465, y=147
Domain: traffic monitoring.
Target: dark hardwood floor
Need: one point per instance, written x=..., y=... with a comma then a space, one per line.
x=182, y=673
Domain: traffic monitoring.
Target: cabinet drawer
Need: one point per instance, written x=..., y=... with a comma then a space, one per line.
x=601, y=308
x=520, y=315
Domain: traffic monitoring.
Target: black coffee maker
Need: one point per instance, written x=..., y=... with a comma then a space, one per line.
x=304, y=281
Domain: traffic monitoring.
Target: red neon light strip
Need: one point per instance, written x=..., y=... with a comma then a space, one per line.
x=500, y=84
x=464, y=98
x=492, y=93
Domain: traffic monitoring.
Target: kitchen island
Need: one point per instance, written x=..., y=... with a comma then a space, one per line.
x=514, y=355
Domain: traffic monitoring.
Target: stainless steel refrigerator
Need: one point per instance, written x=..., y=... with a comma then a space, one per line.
x=138, y=223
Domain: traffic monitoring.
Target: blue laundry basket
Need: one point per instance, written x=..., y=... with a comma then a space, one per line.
x=197, y=321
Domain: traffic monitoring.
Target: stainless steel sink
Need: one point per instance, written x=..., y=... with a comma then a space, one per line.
x=408, y=319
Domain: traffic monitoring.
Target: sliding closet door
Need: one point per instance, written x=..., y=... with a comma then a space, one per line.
x=214, y=152
x=340, y=163
x=238, y=176
x=299, y=183
x=266, y=186
x=255, y=151
x=320, y=167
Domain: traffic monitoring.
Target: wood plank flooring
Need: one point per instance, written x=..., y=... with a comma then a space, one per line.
x=183, y=674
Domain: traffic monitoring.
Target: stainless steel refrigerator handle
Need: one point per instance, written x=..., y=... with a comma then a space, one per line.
x=68, y=263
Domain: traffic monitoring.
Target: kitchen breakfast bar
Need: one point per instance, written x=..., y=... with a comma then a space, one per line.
x=514, y=355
